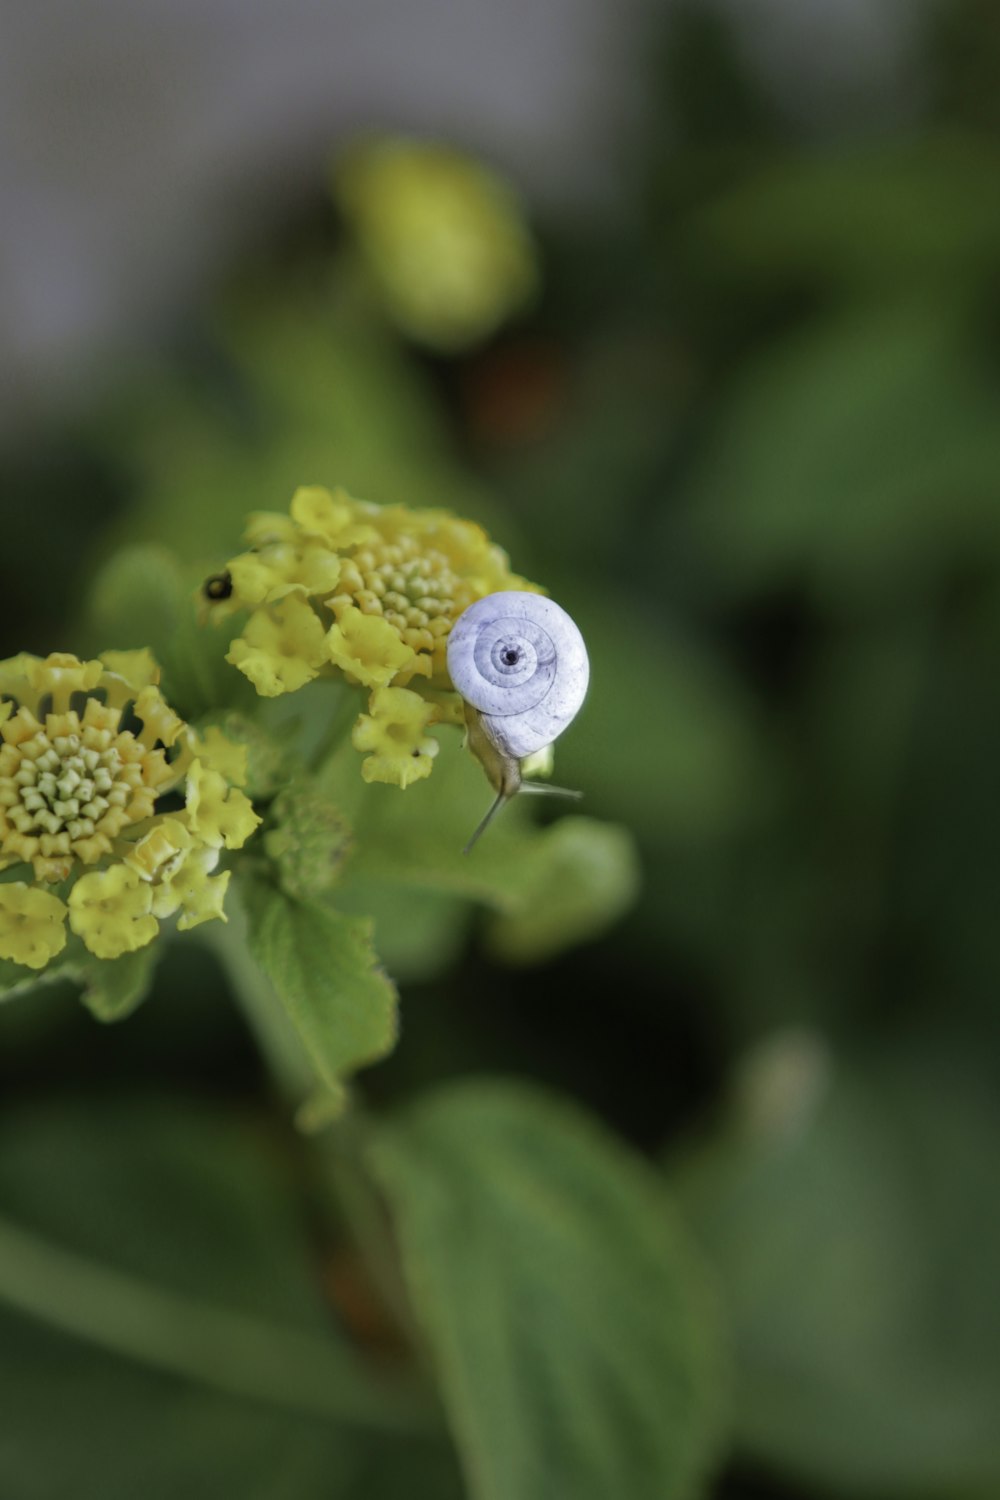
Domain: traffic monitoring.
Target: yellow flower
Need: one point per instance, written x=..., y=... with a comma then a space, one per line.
x=282, y=648
x=219, y=753
x=303, y=566
x=218, y=813
x=402, y=579
x=368, y=648
x=112, y=911
x=331, y=517
x=32, y=925
x=444, y=238
x=79, y=789
x=394, y=731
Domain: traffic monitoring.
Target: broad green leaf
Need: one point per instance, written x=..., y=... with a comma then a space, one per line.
x=325, y=977
x=851, y=1211
x=162, y=1330
x=565, y=1313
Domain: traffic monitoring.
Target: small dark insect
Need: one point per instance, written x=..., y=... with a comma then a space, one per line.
x=219, y=586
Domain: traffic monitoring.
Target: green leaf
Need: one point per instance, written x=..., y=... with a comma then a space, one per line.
x=922, y=212
x=859, y=454
x=585, y=877
x=162, y=1329
x=850, y=1210
x=565, y=1313
x=325, y=977
x=414, y=839
x=143, y=597
x=113, y=988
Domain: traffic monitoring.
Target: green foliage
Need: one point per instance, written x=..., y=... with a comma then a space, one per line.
x=324, y=974
x=758, y=461
x=551, y=887
x=566, y=1316
x=141, y=1319
x=143, y=596
x=852, y=1217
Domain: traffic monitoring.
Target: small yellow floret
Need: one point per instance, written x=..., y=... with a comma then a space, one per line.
x=219, y=753
x=112, y=911
x=137, y=669
x=368, y=647
x=32, y=925
x=219, y=813
x=303, y=566
x=282, y=648
x=394, y=731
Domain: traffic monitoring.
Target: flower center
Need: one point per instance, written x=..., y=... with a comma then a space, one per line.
x=67, y=790
x=411, y=585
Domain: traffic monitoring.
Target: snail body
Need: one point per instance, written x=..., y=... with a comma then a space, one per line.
x=521, y=666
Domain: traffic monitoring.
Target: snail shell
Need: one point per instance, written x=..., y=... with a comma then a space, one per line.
x=520, y=661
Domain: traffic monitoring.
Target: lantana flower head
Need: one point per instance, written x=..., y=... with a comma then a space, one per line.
x=346, y=588
x=88, y=750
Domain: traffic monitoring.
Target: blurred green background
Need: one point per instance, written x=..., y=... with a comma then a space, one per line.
x=748, y=434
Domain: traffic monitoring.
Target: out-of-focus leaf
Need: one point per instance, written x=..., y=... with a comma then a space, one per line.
x=415, y=839
x=176, y=1207
x=585, y=880
x=418, y=934
x=317, y=393
x=666, y=739
x=566, y=1316
x=325, y=976
x=919, y=213
x=113, y=987
x=859, y=456
x=143, y=597
x=856, y=1228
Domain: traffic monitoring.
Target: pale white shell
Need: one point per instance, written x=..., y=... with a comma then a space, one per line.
x=520, y=660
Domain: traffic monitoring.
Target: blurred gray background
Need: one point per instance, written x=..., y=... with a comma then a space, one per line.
x=141, y=144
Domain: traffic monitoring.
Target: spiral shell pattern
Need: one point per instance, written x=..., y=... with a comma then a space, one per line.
x=520, y=660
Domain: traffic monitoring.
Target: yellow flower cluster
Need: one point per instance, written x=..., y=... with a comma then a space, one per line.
x=344, y=587
x=444, y=238
x=86, y=750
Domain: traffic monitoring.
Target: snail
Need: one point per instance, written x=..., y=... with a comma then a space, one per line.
x=520, y=664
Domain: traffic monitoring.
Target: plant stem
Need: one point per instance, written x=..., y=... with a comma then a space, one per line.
x=234, y=1352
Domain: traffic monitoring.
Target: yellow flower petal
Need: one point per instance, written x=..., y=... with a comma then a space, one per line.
x=219, y=814
x=63, y=675
x=368, y=648
x=112, y=911
x=219, y=753
x=159, y=722
x=32, y=925
x=160, y=852
x=394, y=731
x=137, y=669
x=333, y=517
x=305, y=566
x=197, y=894
x=282, y=648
